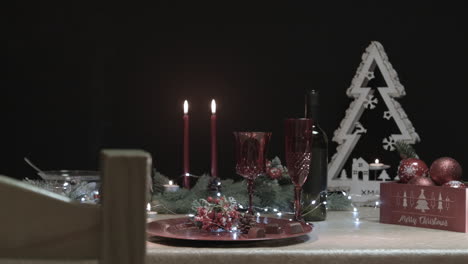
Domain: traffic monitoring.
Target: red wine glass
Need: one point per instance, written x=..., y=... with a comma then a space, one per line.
x=251, y=149
x=298, y=139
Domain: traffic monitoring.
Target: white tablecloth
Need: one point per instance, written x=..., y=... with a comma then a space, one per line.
x=340, y=239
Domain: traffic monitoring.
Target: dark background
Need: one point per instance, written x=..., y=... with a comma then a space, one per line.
x=82, y=78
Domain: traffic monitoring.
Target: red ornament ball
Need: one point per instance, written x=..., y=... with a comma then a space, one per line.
x=274, y=173
x=445, y=169
x=422, y=181
x=454, y=184
x=410, y=168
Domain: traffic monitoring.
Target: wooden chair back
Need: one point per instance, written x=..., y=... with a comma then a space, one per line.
x=38, y=224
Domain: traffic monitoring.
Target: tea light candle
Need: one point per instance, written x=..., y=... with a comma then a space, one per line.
x=171, y=187
x=377, y=165
x=149, y=213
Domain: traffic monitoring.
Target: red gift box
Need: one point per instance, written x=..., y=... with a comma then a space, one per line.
x=424, y=206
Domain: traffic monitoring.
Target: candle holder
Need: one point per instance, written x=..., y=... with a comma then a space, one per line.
x=377, y=166
x=171, y=187
x=149, y=213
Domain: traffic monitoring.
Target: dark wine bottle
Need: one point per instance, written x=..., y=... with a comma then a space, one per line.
x=314, y=190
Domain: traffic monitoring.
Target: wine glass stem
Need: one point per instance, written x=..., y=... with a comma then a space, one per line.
x=297, y=203
x=250, y=188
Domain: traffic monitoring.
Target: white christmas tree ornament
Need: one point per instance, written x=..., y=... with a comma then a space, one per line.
x=405, y=201
x=343, y=176
x=350, y=130
x=421, y=204
x=439, y=203
x=384, y=176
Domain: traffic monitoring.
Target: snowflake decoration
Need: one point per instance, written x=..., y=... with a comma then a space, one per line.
x=370, y=75
x=370, y=102
x=387, y=115
x=409, y=170
x=389, y=143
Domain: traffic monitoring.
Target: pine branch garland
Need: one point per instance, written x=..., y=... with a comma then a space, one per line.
x=268, y=194
x=337, y=201
x=405, y=150
x=273, y=190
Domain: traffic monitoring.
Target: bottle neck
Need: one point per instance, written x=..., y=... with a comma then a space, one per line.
x=312, y=111
x=312, y=105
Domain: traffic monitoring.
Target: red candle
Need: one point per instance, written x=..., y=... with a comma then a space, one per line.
x=186, y=147
x=214, y=158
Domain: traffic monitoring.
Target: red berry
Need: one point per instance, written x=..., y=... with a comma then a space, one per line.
x=274, y=173
x=211, y=215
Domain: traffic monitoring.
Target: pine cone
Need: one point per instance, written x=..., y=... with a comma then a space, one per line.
x=246, y=221
x=214, y=185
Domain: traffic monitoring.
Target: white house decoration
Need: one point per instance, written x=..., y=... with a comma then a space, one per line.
x=362, y=188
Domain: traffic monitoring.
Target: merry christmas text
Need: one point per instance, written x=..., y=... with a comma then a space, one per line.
x=423, y=220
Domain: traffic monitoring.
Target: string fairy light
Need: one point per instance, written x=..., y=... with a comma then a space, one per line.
x=314, y=204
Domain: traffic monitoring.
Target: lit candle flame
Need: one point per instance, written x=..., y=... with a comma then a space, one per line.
x=148, y=207
x=213, y=106
x=376, y=161
x=171, y=182
x=185, y=107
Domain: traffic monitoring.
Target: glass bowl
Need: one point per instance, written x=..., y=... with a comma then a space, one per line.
x=70, y=175
x=79, y=185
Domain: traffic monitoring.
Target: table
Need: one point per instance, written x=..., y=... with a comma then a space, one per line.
x=340, y=239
